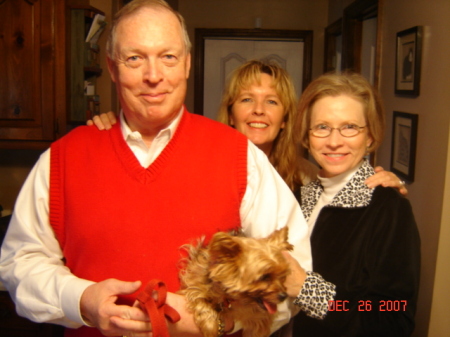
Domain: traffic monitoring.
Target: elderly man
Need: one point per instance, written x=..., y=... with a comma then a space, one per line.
x=101, y=210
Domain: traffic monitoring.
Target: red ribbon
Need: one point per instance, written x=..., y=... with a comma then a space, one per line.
x=153, y=299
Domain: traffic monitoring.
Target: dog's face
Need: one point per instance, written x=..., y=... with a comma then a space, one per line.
x=250, y=271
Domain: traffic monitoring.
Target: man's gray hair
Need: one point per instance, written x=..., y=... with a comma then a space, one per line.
x=135, y=6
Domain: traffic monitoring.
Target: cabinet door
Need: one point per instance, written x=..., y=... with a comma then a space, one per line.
x=27, y=56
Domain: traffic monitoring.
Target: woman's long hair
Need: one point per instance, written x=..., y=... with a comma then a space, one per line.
x=284, y=153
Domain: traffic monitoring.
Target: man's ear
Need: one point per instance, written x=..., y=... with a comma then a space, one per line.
x=188, y=65
x=111, y=68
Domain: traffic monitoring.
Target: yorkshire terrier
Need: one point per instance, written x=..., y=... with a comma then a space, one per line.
x=236, y=277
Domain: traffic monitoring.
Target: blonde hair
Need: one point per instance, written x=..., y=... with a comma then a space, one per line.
x=283, y=155
x=134, y=7
x=351, y=84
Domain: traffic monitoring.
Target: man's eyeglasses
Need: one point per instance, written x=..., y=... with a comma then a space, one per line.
x=347, y=130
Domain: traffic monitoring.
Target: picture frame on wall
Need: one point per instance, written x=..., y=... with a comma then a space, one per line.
x=408, y=61
x=404, y=140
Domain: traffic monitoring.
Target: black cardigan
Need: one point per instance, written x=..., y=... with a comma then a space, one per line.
x=372, y=254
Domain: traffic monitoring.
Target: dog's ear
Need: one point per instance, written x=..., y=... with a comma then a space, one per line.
x=223, y=247
x=279, y=238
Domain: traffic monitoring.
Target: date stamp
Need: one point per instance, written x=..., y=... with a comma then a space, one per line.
x=382, y=305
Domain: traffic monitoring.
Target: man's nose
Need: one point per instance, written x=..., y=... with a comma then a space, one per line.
x=153, y=72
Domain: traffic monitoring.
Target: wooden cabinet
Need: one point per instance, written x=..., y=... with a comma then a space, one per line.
x=35, y=81
x=32, y=84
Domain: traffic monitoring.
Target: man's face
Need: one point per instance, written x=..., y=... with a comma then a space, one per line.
x=150, y=69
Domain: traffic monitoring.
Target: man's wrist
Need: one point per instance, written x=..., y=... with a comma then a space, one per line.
x=71, y=294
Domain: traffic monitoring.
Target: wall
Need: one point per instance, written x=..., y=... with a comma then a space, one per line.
x=439, y=322
x=336, y=8
x=432, y=170
x=427, y=193
x=280, y=14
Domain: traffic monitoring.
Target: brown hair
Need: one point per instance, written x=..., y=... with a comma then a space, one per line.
x=283, y=155
x=135, y=6
x=351, y=84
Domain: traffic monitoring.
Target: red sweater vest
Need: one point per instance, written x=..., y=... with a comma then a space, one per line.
x=116, y=219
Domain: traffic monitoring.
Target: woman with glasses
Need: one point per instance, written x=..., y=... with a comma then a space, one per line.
x=363, y=240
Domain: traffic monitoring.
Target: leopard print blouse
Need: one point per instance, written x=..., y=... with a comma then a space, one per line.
x=354, y=194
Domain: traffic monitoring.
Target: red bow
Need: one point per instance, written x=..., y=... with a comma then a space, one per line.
x=153, y=298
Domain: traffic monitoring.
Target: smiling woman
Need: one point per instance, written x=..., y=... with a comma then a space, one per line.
x=260, y=101
x=259, y=114
x=337, y=152
x=364, y=240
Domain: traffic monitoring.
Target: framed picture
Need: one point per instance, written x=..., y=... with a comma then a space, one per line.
x=404, y=139
x=408, y=61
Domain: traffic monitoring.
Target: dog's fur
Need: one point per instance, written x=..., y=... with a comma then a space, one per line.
x=236, y=277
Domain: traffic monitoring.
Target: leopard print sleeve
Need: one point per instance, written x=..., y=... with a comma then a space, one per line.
x=315, y=295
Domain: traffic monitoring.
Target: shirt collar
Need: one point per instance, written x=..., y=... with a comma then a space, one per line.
x=169, y=131
x=355, y=192
x=334, y=184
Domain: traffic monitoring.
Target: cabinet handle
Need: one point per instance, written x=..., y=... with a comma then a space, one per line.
x=19, y=38
x=16, y=110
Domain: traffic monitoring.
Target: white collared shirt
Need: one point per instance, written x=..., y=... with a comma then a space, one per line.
x=44, y=290
x=143, y=153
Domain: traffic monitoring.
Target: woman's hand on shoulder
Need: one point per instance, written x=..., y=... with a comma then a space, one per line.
x=104, y=121
x=386, y=179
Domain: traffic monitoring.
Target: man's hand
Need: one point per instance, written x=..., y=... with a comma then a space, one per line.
x=98, y=309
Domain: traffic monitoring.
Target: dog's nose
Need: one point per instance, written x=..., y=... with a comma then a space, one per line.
x=282, y=297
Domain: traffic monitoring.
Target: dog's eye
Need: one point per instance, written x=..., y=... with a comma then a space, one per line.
x=265, y=278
